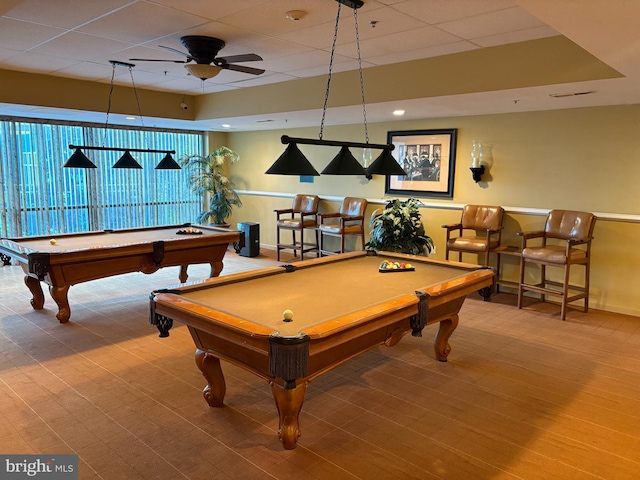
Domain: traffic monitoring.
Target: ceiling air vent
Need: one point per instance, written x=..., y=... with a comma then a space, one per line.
x=571, y=94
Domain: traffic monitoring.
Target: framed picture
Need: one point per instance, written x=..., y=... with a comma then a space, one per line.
x=428, y=157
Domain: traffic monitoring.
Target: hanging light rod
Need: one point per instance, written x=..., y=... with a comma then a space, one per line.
x=285, y=139
x=115, y=149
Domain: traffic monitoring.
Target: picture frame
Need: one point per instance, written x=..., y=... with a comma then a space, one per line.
x=428, y=157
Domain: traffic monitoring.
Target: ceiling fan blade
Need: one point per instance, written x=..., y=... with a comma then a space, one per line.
x=155, y=60
x=243, y=69
x=175, y=51
x=247, y=57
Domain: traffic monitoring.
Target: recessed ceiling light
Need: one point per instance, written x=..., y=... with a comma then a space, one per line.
x=226, y=125
x=398, y=113
x=130, y=118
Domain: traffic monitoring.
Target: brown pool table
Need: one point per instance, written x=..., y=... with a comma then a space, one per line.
x=80, y=257
x=342, y=306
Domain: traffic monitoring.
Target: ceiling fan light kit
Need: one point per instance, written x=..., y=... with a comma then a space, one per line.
x=202, y=59
x=293, y=161
x=202, y=71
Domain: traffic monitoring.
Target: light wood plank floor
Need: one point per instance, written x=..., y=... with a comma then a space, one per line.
x=523, y=396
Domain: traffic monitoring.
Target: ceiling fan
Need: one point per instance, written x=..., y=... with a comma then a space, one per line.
x=203, y=52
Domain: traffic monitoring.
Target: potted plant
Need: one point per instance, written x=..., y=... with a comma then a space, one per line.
x=398, y=228
x=208, y=179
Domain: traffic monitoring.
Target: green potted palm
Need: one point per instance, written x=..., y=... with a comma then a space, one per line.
x=207, y=177
x=399, y=228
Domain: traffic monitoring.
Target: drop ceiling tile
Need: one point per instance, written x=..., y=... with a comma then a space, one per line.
x=142, y=22
x=86, y=70
x=342, y=66
x=438, y=11
x=270, y=18
x=214, y=9
x=399, y=42
x=33, y=62
x=264, y=79
x=494, y=23
x=72, y=14
x=273, y=48
x=20, y=35
x=79, y=46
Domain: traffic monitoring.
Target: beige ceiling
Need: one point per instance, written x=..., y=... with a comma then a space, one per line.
x=77, y=38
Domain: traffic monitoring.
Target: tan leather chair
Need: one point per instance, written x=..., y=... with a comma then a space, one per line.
x=350, y=221
x=564, y=230
x=301, y=216
x=469, y=239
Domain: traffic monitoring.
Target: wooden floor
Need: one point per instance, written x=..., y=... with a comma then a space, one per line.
x=523, y=396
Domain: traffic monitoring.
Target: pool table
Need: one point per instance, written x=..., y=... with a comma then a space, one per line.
x=68, y=259
x=341, y=306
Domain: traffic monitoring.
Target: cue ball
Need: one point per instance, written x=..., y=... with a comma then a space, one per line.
x=287, y=315
x=52, y=241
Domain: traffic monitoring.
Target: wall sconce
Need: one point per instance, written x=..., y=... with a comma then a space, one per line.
x=481, y=158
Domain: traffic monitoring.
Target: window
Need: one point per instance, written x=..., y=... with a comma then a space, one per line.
x=39, y=197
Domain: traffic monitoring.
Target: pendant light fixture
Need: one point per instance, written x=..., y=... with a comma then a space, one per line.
x=79, y=160
x=293, y=161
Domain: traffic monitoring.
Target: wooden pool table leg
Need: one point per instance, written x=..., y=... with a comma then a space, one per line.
x=441, y=342
x=216, y=387
x=216, y=268
x=33, y=284
x=289, y=403
x=182, y=276
x=60, y=296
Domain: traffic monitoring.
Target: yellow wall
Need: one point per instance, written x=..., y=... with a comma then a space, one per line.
x=581, y=159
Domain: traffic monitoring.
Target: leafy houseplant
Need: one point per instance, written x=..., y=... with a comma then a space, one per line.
x=398, y=228
x=207, y=178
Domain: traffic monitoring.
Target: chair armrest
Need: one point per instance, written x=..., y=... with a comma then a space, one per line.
x=452, y=226
x=528, y=235
x=282, y=212
x=347, y=218
x=322, y=216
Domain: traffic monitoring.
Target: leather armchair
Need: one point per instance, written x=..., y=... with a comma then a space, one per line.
x=301, y=216
x=479, y=232
x=565, y=241
x=349, y=221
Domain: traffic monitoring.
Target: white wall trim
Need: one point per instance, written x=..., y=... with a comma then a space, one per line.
x=612, y=217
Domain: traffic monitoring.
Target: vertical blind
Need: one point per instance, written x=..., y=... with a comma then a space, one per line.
x=39, y=197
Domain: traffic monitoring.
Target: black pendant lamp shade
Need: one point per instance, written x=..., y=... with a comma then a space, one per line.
x=78, y=160
x=292, y=162
x=385, y=164
x=168, y=163
x=127, y=161
x=344, y=164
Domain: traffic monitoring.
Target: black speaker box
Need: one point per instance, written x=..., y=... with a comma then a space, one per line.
x=251, y=233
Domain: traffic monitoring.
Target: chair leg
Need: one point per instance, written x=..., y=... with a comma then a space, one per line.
x=321, y=242
x=277, y=244
x=565, y=293
x=295, y=251
x=459, y=256
x=342, y=243
x=543, y=279
x=521, y=282
x=586, y=287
